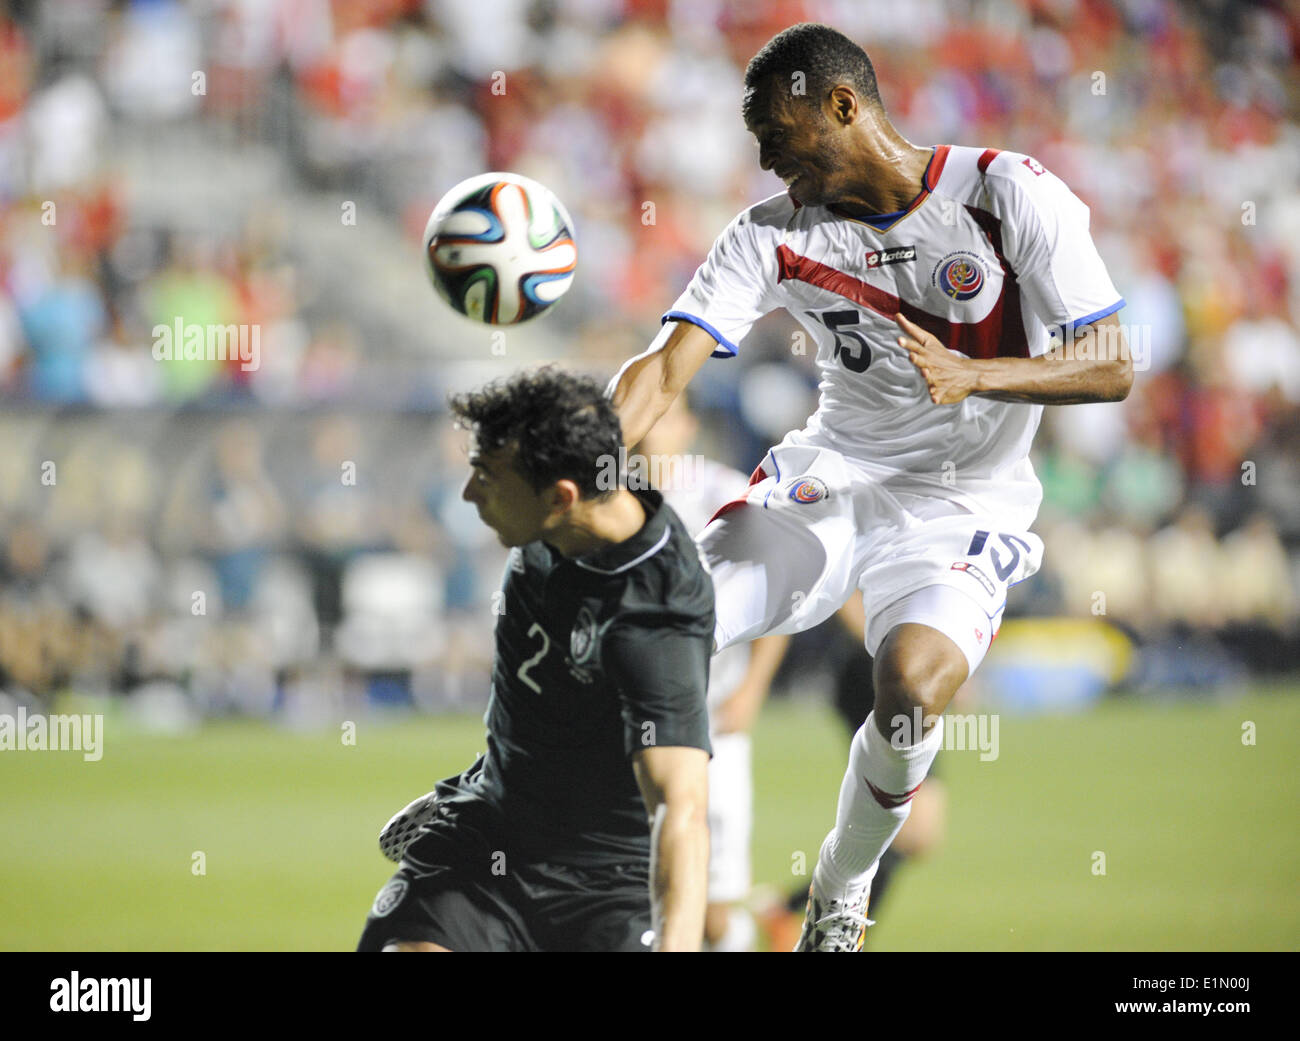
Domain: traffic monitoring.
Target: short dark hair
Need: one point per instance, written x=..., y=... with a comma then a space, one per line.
x=560, y=424
x=824, y=55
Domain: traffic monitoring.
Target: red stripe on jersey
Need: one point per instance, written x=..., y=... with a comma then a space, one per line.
x=727, y=507
x=989, y=155
x=1007, y=308
x=986, y=338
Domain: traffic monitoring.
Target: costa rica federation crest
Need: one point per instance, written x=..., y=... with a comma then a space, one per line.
x=808, y=490
x=959, y=276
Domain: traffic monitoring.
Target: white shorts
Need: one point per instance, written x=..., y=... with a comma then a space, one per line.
x=812, y=529
x=731, y=810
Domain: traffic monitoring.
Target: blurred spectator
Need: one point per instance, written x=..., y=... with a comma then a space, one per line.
x=336, y=512
x=61, y=321
x=243, y=519
x=1188, y=571
x=1256, y=587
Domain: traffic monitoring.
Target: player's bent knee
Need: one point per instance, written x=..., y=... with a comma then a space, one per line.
x=916, y=667
x=414, y=946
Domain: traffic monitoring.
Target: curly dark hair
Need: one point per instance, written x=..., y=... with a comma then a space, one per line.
x=560, y=424
x=824, y=55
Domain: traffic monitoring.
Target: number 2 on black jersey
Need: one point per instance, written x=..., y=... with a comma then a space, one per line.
x=523, y=669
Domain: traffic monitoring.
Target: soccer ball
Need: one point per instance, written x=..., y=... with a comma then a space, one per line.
x=499, y=248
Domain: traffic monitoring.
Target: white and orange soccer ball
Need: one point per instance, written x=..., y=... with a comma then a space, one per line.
x=499, y=248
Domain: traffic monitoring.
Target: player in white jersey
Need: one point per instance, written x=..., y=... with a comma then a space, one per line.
x=739, y=680
x=952, y=292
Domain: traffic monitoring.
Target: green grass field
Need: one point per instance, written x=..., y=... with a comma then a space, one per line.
x=1198, y=830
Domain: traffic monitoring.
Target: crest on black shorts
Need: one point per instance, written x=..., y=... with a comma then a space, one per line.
x=582, y=642
x=389, y=897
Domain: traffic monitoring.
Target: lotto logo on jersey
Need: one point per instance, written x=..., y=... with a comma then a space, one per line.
x=897, y=255
x=1038, y=168
x=959, y=275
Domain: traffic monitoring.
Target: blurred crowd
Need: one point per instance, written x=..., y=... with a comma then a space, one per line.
x=245, y=562
x=165, y=161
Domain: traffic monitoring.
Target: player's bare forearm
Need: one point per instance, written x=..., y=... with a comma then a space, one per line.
x=1052, y=381
x=647, y=384
x=1047, y=380
x=674, y=785
x=681, y=864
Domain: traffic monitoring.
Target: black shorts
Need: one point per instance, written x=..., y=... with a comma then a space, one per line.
x=458, y=889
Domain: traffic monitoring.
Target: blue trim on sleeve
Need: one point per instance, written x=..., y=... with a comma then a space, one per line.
x=725, y=349
x=1099, y=314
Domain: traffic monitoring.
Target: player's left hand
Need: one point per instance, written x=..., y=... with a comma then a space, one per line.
x=950, y=376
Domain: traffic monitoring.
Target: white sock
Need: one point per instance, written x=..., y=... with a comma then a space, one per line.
x=866, y=821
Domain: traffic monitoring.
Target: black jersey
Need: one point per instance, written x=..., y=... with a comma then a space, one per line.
x=596, y=658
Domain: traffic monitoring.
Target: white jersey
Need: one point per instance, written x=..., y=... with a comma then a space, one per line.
x=695, y=490
x=993, y=257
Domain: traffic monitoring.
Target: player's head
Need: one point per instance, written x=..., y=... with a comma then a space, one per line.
x=540, y=442
x=804, y=92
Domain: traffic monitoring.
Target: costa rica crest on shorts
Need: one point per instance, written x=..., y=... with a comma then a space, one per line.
x=807, y=490
x=582, y=641
x=959, y=276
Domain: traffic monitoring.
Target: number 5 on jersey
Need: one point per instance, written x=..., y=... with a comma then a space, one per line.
x=851, y=347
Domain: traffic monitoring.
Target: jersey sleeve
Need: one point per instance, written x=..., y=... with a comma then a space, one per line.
x=662, y=673
x=731, y=290
x=1047, y=242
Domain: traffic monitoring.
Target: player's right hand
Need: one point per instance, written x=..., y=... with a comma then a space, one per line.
x=948, y=375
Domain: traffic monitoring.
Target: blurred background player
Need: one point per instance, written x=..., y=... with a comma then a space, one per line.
x=739, y=680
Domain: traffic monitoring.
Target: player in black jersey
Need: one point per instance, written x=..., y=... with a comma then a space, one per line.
x=597, y=723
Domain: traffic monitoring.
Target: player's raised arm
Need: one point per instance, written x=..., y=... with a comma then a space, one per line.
x=648, y=383
x=675, y=785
